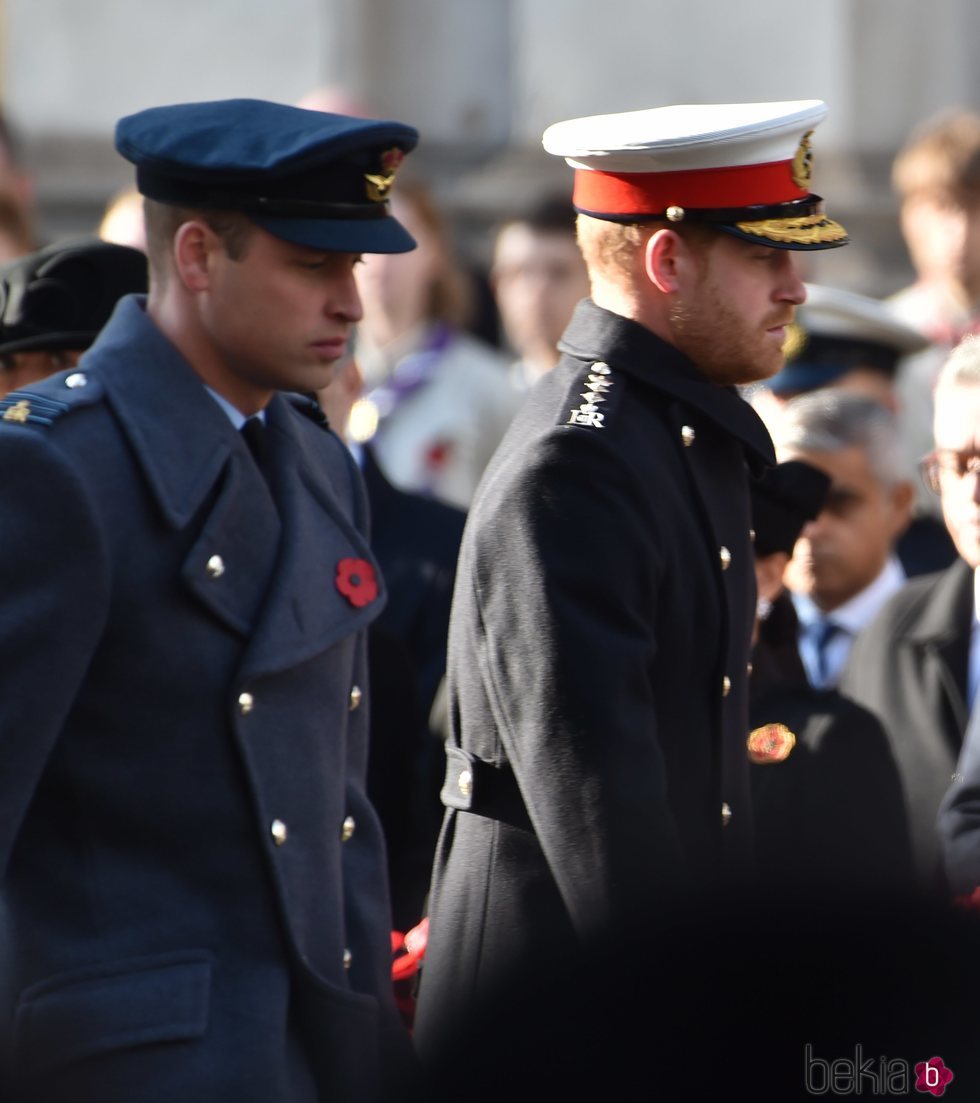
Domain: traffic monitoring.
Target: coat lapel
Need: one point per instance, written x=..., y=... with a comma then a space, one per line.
x=305, y=611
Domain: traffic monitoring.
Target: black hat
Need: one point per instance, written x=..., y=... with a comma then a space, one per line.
x=836, y=332
x=61, y=296
x=783, y=500
x=307, y=177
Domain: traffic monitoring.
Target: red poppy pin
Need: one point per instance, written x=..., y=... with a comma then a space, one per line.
x=357, y=582
x=770, y=743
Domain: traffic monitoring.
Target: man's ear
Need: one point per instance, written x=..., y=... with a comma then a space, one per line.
x=194, y=243
x=660, y=259
x=903, y=501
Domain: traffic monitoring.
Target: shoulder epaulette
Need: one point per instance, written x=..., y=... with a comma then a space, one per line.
x=593, y=397
x=308, y=405
x=50, y=399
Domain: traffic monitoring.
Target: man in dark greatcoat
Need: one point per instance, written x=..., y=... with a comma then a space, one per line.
x=605, y=595
x=193, y=901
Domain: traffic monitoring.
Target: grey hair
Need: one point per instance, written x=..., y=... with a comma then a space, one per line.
x=833, y=419
x=962, y=366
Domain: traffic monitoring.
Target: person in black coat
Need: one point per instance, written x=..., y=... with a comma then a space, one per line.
x=54, y=302
x=827, y=798
x=192, y=883
x=599, y=637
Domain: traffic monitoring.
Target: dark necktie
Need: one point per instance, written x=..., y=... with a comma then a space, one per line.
x=824, y=631
x=255, y=437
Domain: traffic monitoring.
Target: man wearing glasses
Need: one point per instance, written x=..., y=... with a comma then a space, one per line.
x=918, y=665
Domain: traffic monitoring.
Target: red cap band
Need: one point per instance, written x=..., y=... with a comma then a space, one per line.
x=645, y=193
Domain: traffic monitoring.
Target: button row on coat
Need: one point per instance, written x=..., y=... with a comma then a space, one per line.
x=246, y=702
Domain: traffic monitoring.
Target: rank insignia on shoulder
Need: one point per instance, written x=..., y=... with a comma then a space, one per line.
x=598, y=383
x=54, y=397
x=20, y=411
x=770, y=744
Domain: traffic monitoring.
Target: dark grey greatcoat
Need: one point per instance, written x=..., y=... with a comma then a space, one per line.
x=179, y=747
x=597, y=662
x=909, y=667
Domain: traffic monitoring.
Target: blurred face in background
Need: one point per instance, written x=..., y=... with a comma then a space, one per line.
x=396, y=288
x=537, y=278
x=846, y=547
x=957, y=434
x=942, y=234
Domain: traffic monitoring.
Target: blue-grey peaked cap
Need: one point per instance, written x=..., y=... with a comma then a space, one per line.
x=308, y=177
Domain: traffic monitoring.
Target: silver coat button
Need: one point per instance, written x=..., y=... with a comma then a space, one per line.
x=355, y=697
x=348, y=958
x=246, y=702
x=347, y=829
x=725, y=556
x=76, y=379
x=215, y=566
x=279, y=832
x=726, y=814
x=687, y=435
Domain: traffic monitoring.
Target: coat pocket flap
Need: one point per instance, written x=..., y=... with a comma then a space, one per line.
x=163, y=998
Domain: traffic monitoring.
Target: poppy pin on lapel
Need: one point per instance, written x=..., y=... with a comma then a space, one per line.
x=356, y=580
x=770, y=743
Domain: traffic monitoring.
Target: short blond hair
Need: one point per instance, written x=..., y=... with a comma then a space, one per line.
x=610, y=248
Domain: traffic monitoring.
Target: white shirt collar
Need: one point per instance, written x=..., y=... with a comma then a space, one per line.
x=235, y=415
x=861, y=609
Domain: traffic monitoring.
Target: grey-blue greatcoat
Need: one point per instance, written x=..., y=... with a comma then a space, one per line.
x=178, y=748
x=598, y=649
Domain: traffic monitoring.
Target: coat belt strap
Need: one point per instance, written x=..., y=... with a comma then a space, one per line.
x=483, y=788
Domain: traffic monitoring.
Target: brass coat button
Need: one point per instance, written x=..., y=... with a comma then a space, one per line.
x=355, y=697
x=348, y=958
x=465, y=782
x=347, y=829
x=726, y=686
x=246, y=702
x=687, y=435
x=279, y=832
x=725, y=556
x=215, y=566
x=726, y=814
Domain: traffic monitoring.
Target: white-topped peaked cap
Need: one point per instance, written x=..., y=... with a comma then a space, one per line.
x=836, y=332
x=745, y=167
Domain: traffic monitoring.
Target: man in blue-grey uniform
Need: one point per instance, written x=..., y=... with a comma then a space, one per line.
x=193, y=889
x=597, y=765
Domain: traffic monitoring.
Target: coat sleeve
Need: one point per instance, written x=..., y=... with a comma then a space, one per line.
x=567, y=580
x=958, y=822
x=55, y=594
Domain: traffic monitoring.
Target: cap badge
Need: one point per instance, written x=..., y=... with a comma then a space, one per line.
x=769, y=744
x=802, y=167
x=379, y=184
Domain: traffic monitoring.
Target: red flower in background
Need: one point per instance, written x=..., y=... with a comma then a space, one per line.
x=357, y=582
